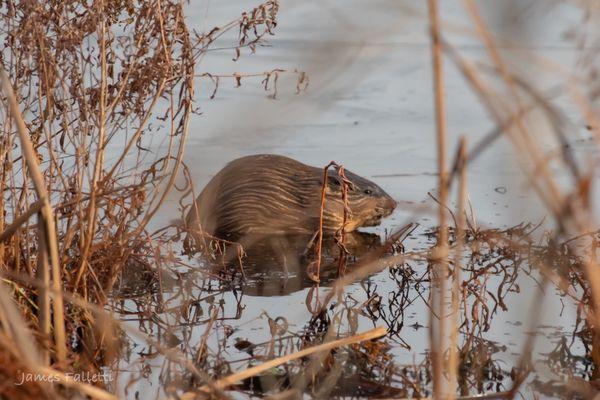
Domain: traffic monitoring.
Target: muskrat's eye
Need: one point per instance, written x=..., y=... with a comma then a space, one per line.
x=368, y=191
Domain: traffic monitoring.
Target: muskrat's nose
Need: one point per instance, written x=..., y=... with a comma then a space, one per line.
x=389, y=204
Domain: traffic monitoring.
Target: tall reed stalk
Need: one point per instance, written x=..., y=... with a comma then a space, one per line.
x=438, y=294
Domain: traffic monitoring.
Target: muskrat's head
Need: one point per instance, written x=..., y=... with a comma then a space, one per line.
x=368, y=203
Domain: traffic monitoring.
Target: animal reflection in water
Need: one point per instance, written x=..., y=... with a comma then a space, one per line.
x=273, y=265
x=276, y=265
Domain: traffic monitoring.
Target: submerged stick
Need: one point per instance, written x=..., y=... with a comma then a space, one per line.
x=253, y=371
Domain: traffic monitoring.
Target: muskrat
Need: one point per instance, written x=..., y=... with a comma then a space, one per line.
x=269, y=194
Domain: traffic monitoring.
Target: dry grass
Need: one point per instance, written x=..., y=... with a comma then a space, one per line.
x=82, y=80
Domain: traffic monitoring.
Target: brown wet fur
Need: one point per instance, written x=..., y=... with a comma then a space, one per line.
x=272, y=194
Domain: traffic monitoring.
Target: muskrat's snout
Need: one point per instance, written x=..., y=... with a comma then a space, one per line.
x=382, y=207
x=386, y=206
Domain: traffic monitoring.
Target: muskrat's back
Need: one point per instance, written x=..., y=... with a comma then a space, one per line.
x=271, y=194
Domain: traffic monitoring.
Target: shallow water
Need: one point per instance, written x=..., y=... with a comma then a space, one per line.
x=369, y=107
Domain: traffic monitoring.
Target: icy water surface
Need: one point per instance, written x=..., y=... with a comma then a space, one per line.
x=369, y=107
